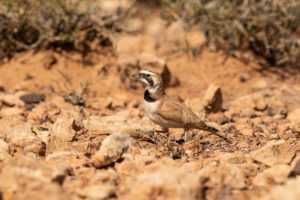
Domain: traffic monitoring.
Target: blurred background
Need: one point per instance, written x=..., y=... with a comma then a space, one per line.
x=65, y=89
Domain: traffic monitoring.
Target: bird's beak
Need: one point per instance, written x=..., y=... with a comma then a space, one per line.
x=136, y=75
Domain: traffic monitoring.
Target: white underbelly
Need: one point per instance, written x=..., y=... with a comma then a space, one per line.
x=151, y=107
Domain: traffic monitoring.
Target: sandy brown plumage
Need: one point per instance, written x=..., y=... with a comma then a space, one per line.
x=166, y=112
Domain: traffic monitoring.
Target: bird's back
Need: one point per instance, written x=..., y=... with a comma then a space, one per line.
x=179, y=113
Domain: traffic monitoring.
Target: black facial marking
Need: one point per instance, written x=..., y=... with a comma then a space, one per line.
x=147, y=97
x=150, y=81
x=148, y=78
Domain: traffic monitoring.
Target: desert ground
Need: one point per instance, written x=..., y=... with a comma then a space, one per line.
x=76, y=129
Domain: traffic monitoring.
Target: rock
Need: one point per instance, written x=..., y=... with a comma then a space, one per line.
x=68, y=126
x=227, y=174
x=98, y=125
x=294, y=118
x=260, y=104
x=49, y=61
x=10, y=100
x=219, y=118
x=101, y=186
x=249, y=169
x=275, y=152
x=243, y=77
x=133, y=25
x=212, y=100
x=162, y=180
x=247, y=112
x=193, y=166
x=232, y=158
x=275, y=175
x=290, y=190
x=11, y=111
x=43, y=132
x=229, y=158
x=247, y=132
x=135, y=160
x=38, y=114
x=97, y=191
x=111, y=149
x=3, y=150
x=19, y=136
x=66, y=161
x=92, y=184
x=296, y=169
x=23, y=176
x=260, y=84
x=33, y=98
x=2, y=89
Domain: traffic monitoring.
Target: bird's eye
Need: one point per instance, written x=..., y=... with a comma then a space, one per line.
x=148, y=75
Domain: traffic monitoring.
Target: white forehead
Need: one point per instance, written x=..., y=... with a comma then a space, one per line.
x=147, y=72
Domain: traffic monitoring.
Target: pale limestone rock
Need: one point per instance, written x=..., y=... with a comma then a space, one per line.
x=232, y=158
x=111, y=149
x=28, y=177
x=249, y=169
x=97, y=125
x=294, y=118
x=135, y=160
x=275, y=175
x=66, y=161
x=275, y=152
x=228, y=174
x=3, y=150
x=11, y=111
x=19, y=136
x=162, y=180
x=290, y=190
x=212, y=99
x=260, y=103
x=10, y=100
x=193, y=166
x=97, y=191
x=68, y=126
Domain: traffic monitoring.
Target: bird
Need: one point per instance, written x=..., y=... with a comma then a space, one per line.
x=166, y=112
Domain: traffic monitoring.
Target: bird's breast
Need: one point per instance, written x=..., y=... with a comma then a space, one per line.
x=151, y=107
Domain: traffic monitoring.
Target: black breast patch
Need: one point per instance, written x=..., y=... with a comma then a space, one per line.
x=147, y=97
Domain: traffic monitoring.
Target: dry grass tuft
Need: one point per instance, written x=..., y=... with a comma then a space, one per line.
x=67, y=24
x=270, y=29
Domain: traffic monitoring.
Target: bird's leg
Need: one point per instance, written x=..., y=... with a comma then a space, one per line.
x=185, y=135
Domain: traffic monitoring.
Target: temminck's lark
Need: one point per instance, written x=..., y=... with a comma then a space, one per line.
x=166, y=112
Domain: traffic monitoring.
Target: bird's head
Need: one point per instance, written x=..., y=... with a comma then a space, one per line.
x=151, y=79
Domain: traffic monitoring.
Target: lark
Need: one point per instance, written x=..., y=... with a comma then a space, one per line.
x=164, y=111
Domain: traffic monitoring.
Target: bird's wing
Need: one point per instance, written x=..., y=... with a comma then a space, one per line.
x=179, y=113
x=171, y=110
x=176, y=112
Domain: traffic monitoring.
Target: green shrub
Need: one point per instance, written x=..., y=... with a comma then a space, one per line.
x=270, y=29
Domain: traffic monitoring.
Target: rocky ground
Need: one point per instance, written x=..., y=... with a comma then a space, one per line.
x=77, y=130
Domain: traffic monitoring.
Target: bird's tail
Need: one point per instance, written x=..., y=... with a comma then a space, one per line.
x=218, y=133
x=212, y=129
